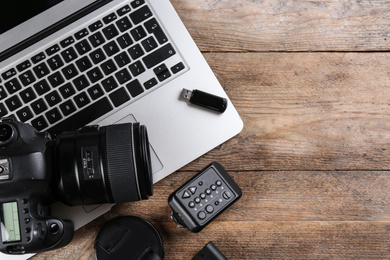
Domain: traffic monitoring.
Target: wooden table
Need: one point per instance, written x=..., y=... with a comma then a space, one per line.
x=311, y=80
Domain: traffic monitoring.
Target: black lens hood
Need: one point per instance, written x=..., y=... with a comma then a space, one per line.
x=126, y=238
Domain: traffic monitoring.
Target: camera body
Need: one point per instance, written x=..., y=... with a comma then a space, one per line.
x=92, y=165
x=25, y=193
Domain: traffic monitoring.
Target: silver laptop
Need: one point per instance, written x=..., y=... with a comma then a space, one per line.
x=69, y=63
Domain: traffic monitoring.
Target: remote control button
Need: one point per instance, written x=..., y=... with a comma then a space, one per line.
x=25, y=211
x=192, y=189
x=191, y=204
x=24, y=201
x=197, y=200
x=186, y=195
x=209, y=209
x=216, y=203
x=219, y=183
x=202, y=196
x=26, y=220
x=28, y=230
x=208, y=191
x=201, y=215
x=227, y=195
x=200, y=183
x=213, y=187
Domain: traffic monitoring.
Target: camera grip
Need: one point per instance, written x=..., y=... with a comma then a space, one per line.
x=59, y=233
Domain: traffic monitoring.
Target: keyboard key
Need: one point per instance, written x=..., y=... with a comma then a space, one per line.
x=84, y=64
x=70, y=71
x=67, y=107
x=41, y=87
x=53, y=49
x=39, y=106
x=56, y=79
x=135, y=88
x=38, y=57
x=53, y=98
x=109, y=84
x=110, y=32
x=41, y=70
x=137, y=68
x=81, y=34
x=141, y=14
x=153, y=27
x=97, y=56
x=83, y=47
x=150, y=83
x=55, y=62
x=109, y=18
x=67, y=90
x=122, y=59
x=159, y=55
x=13, y=85
x=69, y=54
x=28, y=95
x=95, y=92
x=125, y=40
x=94, y=75
x=149, y=44
x=27, y=78
x=24, y=114
x=136, y=51
x=66, y=42
x=53, y=115
x=160, y=71
x=13, y=103
x=3, y=110
x=82, y=100
x=96, y=39
x=124, y=24
x=24, y=65
x=119, y=97
x=8, y=74
x=81, y=82
x=138, y=33
x=108, y=67
x=123, y=76
x=177, y=68
x=124, y=10
x=39, y=123
x=137, y=3
x=111, y=48
x=95, y=26
x=3, y=93
x=83, y=117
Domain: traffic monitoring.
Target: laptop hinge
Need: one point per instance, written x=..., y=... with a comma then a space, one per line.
x=51, y=29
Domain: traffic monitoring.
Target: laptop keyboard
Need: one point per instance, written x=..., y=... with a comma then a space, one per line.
x=108, y=64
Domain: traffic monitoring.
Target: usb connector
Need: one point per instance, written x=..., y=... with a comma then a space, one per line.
x=204, y=99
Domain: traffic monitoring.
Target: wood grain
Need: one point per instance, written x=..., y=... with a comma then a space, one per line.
x=311, y=80
x=269, y=25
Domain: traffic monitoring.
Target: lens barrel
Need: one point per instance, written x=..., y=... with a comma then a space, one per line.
x=110, y=164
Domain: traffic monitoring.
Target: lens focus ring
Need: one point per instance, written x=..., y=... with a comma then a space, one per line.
x=120, y=163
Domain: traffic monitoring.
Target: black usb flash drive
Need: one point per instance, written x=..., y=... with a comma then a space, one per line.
x=203, y=99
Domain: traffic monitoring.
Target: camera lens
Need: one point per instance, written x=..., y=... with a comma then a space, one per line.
x=110, y=164
x=7, y=134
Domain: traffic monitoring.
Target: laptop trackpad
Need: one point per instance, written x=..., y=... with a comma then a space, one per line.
x=156, y=163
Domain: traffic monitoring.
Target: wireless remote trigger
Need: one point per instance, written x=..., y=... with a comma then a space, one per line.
x=201, y=199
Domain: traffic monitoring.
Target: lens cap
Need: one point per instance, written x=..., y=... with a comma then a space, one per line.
x=129, y=238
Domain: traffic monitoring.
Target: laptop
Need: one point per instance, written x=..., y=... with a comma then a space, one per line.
x=69, y=63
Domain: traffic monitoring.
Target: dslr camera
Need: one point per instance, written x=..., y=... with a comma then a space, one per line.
x=92, y=165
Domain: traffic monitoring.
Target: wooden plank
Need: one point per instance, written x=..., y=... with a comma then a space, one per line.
x=258, y=240
x=268, y=25
x=306, y=111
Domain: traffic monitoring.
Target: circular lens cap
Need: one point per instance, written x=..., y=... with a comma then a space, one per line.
x=128, y=238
